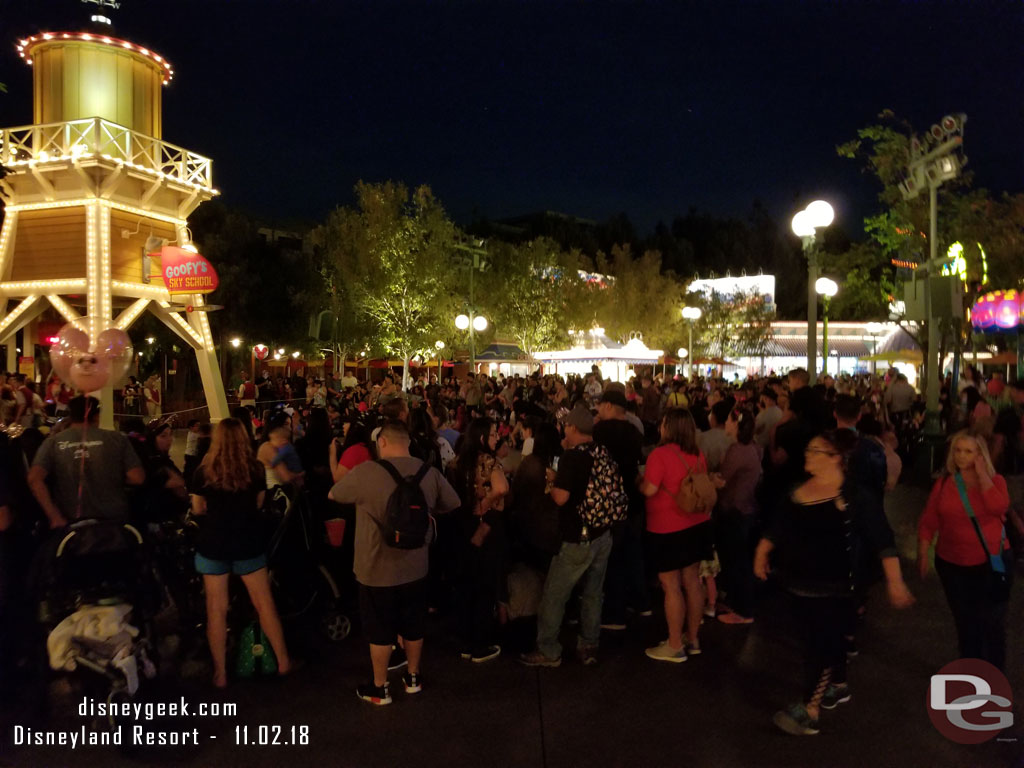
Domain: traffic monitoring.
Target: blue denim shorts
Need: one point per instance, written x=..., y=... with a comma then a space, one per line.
x=208, y=567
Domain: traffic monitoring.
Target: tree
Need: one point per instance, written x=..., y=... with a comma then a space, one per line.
x=394, y=253
x=639, y=298
x=731, y=325
x=899, y=230
x=530, y=289
x=268, y=290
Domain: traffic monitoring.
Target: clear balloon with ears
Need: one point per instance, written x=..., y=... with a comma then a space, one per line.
x=91, y=367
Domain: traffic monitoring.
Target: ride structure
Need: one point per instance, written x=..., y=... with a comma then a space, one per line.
x=93, y=194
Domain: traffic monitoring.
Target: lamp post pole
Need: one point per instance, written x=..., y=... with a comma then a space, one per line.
x=933, y=161
x=690, y=314
x=812, y=308
x=690, y=358
x=824, y=335
x=827, y=288
x=805, y=224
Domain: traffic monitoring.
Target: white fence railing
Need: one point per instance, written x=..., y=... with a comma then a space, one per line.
x=96, y=137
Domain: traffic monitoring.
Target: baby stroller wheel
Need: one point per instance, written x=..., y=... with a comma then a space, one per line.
x=336, y=625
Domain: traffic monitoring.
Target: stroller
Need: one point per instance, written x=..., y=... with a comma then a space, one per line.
x=95, y=594
x=301, y=582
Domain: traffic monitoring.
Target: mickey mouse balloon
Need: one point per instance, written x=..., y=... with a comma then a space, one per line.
x=90, y=368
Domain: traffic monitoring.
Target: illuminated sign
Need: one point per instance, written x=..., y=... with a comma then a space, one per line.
x=186, y=271
x=760, y=285
x=957, y=265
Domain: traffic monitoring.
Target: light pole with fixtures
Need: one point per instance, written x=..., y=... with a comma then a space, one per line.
x=827, y=288
x=817, y=215
x=439, y=346
x=933, y=161
x=682, y=353
x=689, y=315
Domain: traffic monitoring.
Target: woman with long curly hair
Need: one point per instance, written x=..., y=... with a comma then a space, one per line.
x=229, y=489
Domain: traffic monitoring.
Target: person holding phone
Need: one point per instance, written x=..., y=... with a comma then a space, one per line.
x=967, y=510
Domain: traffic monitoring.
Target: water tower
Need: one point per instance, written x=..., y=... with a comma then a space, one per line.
x=93, y=192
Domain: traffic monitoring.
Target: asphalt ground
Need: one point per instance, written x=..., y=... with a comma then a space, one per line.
x=714, y=710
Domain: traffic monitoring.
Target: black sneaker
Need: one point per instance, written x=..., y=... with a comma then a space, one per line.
x=380, y=695
x=397, y=660
x=835, y=695
x=413, y=682
x=485, y=654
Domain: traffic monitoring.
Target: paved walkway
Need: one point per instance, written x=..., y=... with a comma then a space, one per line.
x=715, y=710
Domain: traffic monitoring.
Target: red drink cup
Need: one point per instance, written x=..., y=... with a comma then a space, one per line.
x=335, y=531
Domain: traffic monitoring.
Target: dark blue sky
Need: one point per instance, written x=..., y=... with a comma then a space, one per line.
x=584, y=107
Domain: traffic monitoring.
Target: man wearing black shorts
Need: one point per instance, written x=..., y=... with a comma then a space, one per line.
x=392, y=582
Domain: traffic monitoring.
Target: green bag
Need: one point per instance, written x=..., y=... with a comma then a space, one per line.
x=255, y=656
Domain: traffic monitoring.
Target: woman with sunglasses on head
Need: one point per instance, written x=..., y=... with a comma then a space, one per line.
x=813, y=535
x=967, y=509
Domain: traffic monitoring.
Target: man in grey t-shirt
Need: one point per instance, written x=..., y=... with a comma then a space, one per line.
x=392, y=582
x=101, y=464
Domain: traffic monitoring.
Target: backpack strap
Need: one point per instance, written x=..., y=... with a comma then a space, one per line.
x=398, y=477
x=392, y=470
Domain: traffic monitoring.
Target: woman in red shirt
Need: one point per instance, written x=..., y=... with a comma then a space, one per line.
x=677, y=541
x=968, y=577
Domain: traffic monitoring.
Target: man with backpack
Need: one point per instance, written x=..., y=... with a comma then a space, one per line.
x=393, y=498
x=589, y=492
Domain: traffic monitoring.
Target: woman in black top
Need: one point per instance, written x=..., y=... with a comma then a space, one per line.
x=166, y=498
x=534, y=515
x=482, y=486
x=229, y=489
x=814, y=533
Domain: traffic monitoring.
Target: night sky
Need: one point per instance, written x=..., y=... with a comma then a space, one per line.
x=582, y=107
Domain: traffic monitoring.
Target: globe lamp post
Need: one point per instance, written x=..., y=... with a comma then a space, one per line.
x=827, y=289
x=689, y=315
x=439, y=346
x=817, y=215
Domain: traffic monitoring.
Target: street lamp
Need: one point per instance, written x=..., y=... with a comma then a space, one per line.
x=474, y=324
x=873, y=330
x=689, y=315
x=805, y=224
x=439, y=346
x=827, y=288
x=682, y=353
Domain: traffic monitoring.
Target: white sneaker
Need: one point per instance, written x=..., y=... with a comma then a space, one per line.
x=665, y=652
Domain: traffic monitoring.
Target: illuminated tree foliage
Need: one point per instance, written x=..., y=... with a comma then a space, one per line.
x=533, y=291
x=393, y=254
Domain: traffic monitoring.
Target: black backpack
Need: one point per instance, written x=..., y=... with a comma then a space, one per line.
x=407, y=519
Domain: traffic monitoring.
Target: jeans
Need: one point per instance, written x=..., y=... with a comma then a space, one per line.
x=586, y=562
x=735, y=542
x=980, y=620
x=626, y=582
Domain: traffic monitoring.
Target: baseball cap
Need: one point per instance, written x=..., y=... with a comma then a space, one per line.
x=614, y=397
x=581, y=418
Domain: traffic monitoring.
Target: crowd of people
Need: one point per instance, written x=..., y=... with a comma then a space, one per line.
x=573, y=500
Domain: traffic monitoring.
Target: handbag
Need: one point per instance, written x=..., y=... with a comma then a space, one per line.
x=1000, y=579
